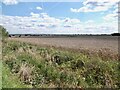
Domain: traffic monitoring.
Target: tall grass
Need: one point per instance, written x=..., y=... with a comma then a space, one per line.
x=0, y=74
x=59, y=68
x=10, y=80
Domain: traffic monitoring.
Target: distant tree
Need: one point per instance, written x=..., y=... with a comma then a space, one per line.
x=3, y=32
x=115, y=34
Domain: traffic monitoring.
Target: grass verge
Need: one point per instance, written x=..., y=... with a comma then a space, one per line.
x=47, y=67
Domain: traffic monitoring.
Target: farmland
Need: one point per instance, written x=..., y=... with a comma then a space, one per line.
x=76, y=62
x=81, y=42
x=60, y=44
x=60, y=62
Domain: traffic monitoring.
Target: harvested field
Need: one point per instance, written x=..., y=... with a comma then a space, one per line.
x=82, y=42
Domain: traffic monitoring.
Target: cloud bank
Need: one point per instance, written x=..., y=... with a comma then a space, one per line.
x=96, y=6
x=10, y=2
x=44, y=24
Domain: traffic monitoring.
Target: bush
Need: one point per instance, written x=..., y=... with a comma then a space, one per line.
x=60, y=58
x=77, y=64
x=3, y=32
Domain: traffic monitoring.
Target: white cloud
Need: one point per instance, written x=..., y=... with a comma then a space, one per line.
x=10, y=2
x=69, y=20
x=89, y=22
x=74, y=10
x=111, y=17
x=34, y=15
x=43, y=23
x=95, y=6
x=38, y=8
x=110, y=2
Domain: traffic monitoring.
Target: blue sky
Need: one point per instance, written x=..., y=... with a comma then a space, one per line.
x=87, y=17
x=54, y=9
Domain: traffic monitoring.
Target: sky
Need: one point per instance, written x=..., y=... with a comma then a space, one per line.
x=59, y=17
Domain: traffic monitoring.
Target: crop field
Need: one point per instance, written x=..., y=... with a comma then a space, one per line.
x=81, y=42
x=75, y=62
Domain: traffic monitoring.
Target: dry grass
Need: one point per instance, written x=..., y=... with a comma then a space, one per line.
x=60, y=66
x=88, y=42
x=104, y=47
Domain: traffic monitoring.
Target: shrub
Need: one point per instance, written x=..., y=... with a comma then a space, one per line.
x=77, y=64
x=3, y=32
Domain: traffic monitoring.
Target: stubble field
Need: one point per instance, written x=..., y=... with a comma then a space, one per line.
x=82, y=42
